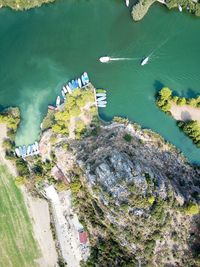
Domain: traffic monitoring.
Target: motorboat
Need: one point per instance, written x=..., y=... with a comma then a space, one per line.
x=64, y=90
x=37, y=146
x=100, y=94
x=69, y=89
x=180, y=8
x=29, y=150
x=63, y=94
x=102, y=103
x=23, y=151
x=79, y=83
x=145, y=61
x=104, y=59
x=127, y=3
x=17, y=151
x=101, y=98
x=58, y=101
x=86, y=78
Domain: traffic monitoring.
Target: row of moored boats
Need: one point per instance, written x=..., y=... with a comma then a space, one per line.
x=74, y=84
x=101, y=98
x=25, y=151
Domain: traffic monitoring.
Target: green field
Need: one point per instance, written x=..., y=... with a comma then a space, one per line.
x=17, y=245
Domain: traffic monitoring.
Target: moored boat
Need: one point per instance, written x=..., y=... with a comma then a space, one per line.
x=23, y=151
x=100, y=94
x=58, y=101
x=69, y=89
x=79, y=83
x=63, y=94
x=127, y=3
x=29, y=150
x=101, y=98
x=17, y=151
x=180, y=8
x=64, y=89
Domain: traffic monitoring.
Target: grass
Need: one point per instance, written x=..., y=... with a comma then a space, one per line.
x=17, y=245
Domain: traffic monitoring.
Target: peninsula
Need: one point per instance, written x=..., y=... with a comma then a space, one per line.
x=185, y=111
x=118, y=193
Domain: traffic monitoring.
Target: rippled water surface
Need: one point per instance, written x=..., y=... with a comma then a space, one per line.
x=42, y=48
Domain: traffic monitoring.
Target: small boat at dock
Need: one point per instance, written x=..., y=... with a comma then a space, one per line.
x=100, y=94
x=29, y=150
x=101, y=98
x=58, y=101
x=18, y=152
x=64, y=89
x=69, y=89
x=180, y=8
x=63, y=94
x=79, y=83
x=127, y=3
x=145, y=61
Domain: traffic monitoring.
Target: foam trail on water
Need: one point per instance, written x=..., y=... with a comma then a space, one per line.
x=122, y=58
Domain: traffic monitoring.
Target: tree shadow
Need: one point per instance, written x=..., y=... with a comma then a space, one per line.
x=158, y=85
x=185, y=116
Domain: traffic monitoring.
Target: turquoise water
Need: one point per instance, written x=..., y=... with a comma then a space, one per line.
x=42, y=48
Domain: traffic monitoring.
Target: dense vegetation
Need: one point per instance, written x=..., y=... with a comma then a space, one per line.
x=142, y=6
x=192, y=129
x=75, y=106
x=23, y=4
x=164, y=101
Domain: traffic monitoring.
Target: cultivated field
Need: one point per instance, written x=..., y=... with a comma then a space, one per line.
x=17, y=245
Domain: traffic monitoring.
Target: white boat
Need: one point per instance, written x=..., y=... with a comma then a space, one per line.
x=29, y=150
x=102, y=98
x=145, y=61
x=63, y=94
x=23, y=151
x=127, y=3
x=102, y=103
x=79, y=82
x=64, y=89
x=102, y=106
x=180, y=8
x=83, y=80
x=100, y=94
x=104, y=59
x=69, y=89
x=86, y=78
x=58, y=101
x=17, y=151
x=37, y=146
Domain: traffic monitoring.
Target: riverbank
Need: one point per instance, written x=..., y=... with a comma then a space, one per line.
x=185, y=111
x=23, y=4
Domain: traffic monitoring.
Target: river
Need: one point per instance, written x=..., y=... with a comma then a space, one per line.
x=42, y=48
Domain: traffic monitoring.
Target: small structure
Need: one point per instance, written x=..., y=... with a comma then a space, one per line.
x=82, y=236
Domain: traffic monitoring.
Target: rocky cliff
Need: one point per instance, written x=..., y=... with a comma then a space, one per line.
x=136, y=195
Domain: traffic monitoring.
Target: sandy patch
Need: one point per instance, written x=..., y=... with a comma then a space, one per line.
x=185, y=113
x=39, y=213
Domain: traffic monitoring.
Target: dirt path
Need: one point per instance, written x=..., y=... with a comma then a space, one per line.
x=185, y=113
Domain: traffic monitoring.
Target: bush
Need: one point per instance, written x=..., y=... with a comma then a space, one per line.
x=20, y=180
x=127, y=137
x=192, y=209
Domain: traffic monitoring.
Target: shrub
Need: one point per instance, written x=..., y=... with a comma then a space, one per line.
x=127, y=137
x=20, y=180
x=151, y=200
x=192, y=209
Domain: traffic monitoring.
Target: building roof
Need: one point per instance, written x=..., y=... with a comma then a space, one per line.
x=83, y=237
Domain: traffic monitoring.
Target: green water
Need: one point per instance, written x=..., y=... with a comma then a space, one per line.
x=42, y=48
